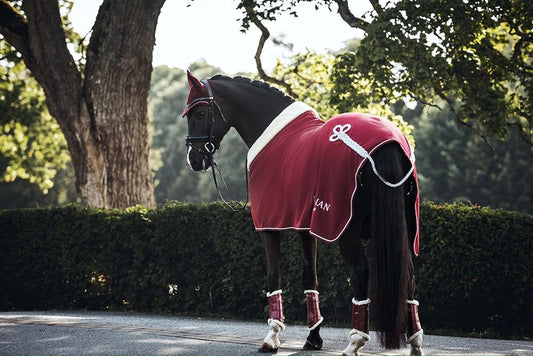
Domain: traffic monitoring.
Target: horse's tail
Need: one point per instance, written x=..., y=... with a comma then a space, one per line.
x=391, y=259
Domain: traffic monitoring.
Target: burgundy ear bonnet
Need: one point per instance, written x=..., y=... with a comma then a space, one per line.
x=197, y=90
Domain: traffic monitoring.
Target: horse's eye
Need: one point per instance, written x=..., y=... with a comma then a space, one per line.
x=200, y=114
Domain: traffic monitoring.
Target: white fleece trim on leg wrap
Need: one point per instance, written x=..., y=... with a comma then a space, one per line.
x=358, y=340
x=270, y=294
x=360, y=333
x=419, y=333
x=312, y=291
x=316, y=324
x=360, y=302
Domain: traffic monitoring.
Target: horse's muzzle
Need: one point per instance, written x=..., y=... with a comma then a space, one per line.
x=200, y=159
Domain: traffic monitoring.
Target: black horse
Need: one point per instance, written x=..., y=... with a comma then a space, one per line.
x=349, y=178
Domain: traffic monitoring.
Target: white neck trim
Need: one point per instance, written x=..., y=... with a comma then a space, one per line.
x=285, y=117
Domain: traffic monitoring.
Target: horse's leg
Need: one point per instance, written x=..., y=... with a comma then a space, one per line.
x=414, y=327
x=353, y=253
x=272, y=245
x=310, y=284
x=414, y=330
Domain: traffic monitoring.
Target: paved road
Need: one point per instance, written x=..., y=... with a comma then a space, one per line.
x=112, y=333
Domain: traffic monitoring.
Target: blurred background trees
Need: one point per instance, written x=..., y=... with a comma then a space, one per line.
x=471, y=140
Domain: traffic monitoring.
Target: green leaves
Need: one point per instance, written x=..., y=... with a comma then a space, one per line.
x=479, y=52
x=329, y=85
x=32, y=145
x=475, y=51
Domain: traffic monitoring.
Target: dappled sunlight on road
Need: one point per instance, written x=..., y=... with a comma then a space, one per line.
x=111, y=333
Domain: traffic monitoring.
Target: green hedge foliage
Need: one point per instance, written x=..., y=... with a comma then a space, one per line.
x=473, y=274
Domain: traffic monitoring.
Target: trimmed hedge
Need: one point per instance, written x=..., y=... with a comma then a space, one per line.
x=475, y=270
x=473, y=273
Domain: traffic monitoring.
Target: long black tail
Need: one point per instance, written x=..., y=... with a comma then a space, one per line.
x=391, y=260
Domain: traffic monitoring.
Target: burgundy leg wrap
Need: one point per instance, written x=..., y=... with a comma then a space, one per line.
x=313, y=309
x=275, y=306
x=360, y=318
x=413, y=320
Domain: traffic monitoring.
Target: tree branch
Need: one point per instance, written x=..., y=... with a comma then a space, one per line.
x=265, y=34
x=350, y=19
x=377, y=7
x=14, y=27
x=459, y=117
x=50, y=62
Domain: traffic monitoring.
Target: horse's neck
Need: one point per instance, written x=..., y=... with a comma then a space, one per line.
x=252, y=110
x=252, y=123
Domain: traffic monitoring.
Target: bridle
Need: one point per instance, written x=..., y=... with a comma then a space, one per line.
x=210, y=145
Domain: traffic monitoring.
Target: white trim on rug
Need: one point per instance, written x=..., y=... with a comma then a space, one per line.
x=284, y=118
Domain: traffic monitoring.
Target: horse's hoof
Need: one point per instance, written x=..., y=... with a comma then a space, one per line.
x=416, y=344
x=358, y=339
x=416, y=351
x=266, y=348
x=355, y=353
x=312, y=346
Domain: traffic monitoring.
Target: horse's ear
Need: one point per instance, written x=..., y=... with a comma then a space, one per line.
x=194, y=83
x=197, y=90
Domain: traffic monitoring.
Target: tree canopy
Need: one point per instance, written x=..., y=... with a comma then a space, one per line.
x=475, y=55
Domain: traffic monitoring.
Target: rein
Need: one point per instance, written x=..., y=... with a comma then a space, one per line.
x=210, y=145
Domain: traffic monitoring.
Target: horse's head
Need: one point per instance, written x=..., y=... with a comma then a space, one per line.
x=206, y=124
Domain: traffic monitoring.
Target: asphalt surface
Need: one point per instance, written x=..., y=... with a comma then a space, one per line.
x=113, y=333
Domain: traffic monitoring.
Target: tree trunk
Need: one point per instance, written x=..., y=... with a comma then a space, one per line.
x=117, y=83
x=103, y=114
